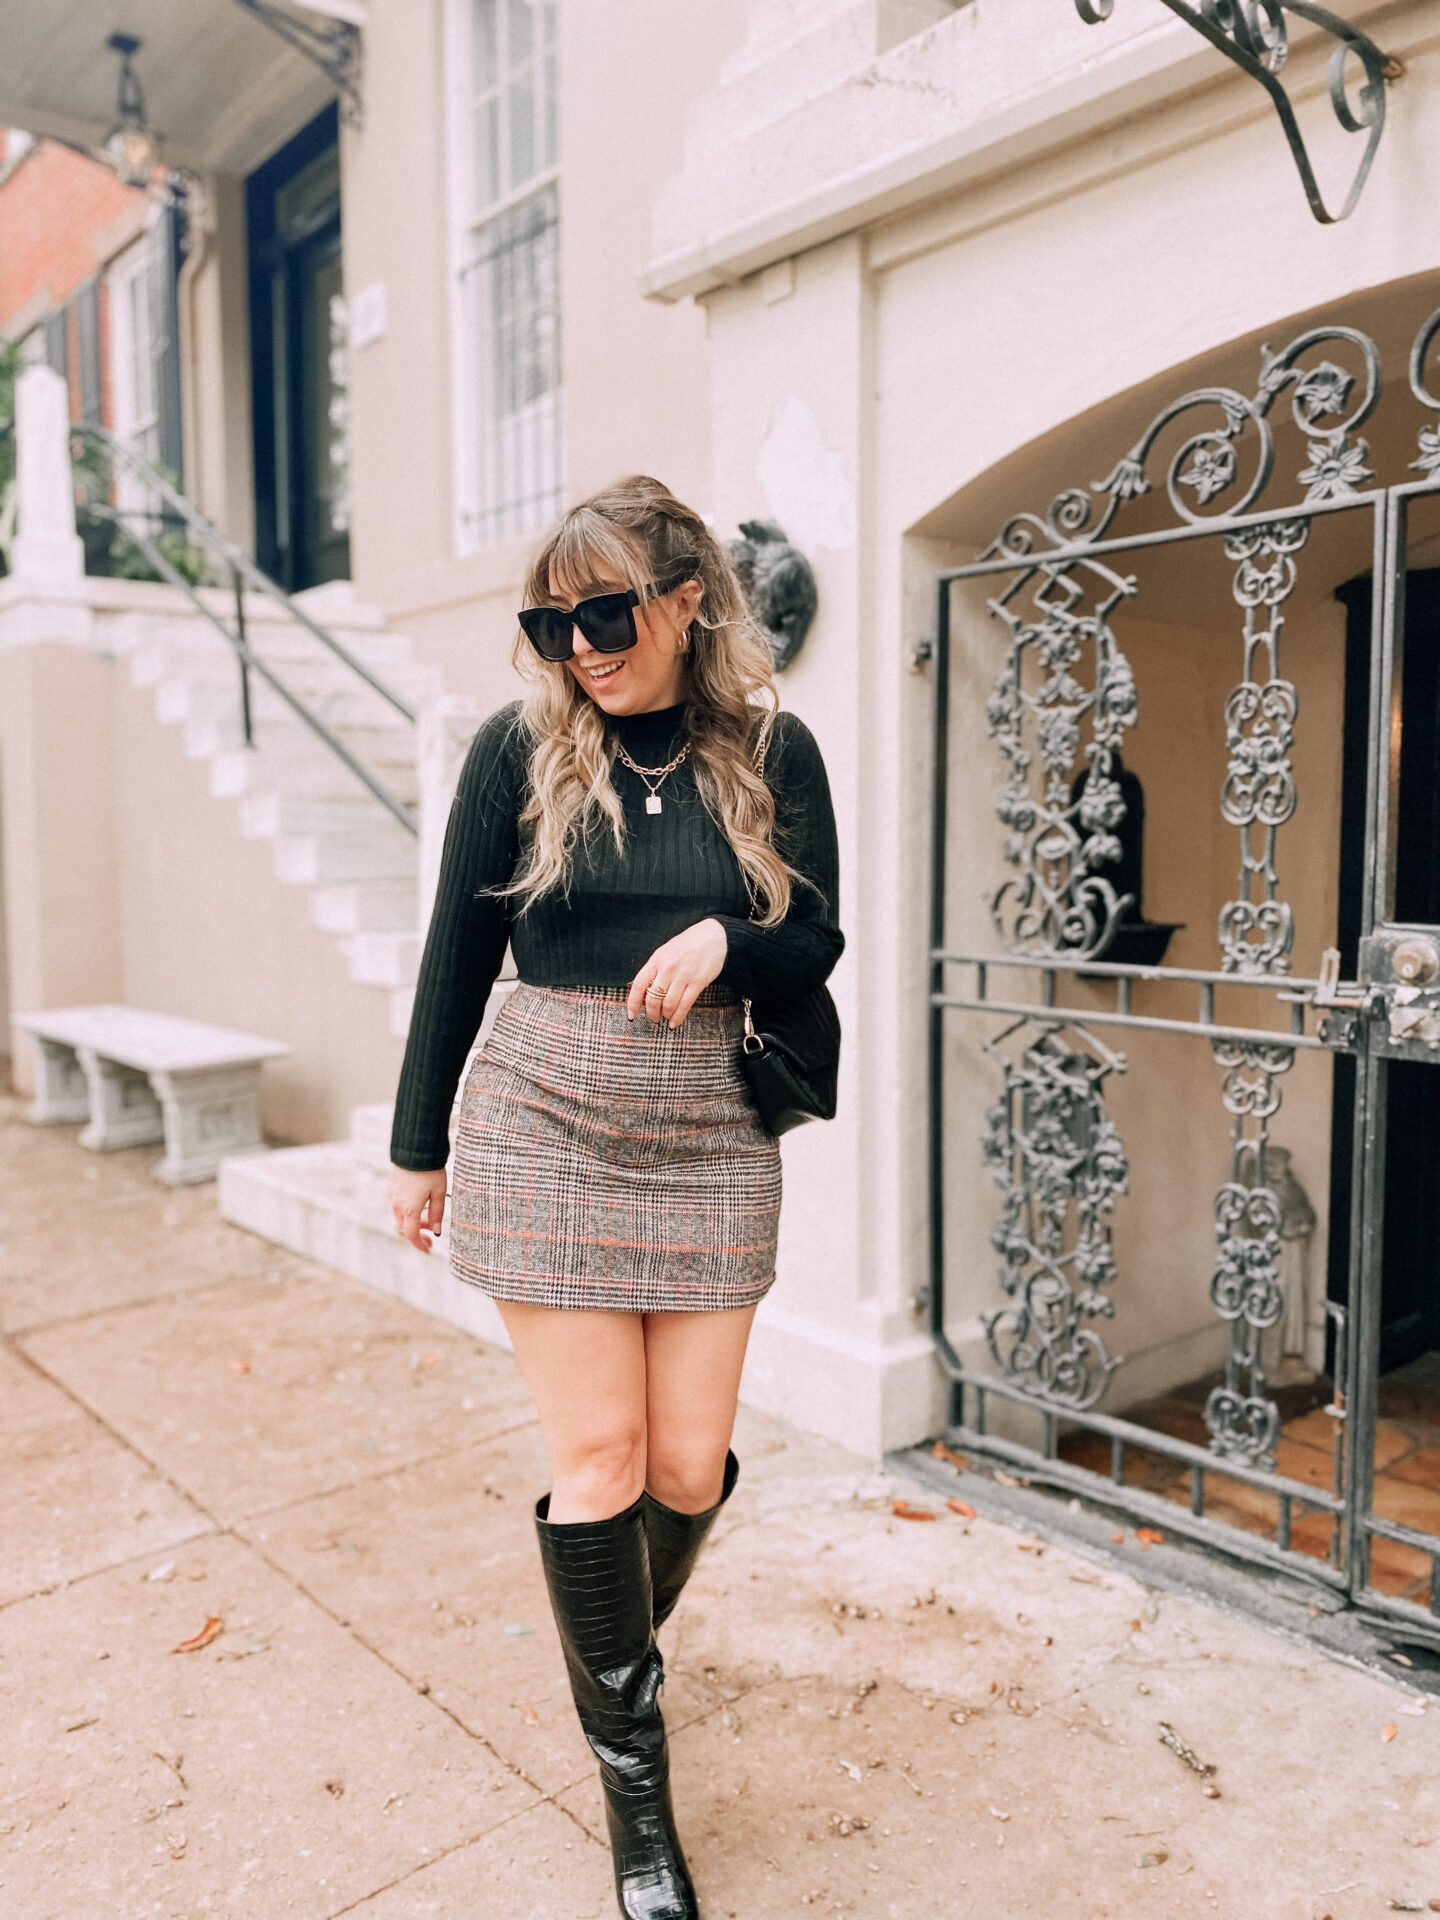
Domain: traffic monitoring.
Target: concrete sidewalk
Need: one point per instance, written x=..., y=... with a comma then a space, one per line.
x=870, y=1715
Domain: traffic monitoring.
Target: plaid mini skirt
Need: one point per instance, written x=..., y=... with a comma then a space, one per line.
x=612, y=1164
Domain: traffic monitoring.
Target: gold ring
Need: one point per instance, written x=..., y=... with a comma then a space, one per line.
x=651, y=991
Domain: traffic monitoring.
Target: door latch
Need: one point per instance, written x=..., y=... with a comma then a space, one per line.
x=1403, y=965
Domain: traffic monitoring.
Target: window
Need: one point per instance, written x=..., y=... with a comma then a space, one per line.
x=504, y=163
x=139, y=339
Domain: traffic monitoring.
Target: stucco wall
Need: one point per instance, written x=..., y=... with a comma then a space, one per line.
x=635, y=374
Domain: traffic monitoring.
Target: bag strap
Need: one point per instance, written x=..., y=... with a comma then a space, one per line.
x=762, y=747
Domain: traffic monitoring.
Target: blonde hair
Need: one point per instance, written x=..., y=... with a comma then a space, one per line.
x=642, y=535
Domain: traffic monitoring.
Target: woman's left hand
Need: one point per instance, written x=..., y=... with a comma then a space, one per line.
x=681, y=970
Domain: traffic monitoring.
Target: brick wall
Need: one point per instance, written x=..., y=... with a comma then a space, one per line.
x=58, y=218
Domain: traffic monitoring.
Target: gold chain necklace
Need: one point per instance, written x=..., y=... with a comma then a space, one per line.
x=657, y=774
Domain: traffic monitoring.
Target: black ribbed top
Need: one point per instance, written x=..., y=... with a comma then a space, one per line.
x=676, y=868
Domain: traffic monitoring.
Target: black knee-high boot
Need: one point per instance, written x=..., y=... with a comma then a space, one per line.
x=675, y=1540
x=598, y=1573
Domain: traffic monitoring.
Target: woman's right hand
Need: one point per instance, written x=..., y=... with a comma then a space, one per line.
x=418, y=1201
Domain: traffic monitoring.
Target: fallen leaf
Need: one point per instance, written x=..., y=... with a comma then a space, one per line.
x=965, y=1511
x=1010, y=1479
x=849, y=1766
x=529, y=1715
x=941, y=1452
x=1156, y=1859
x=903, y=1510
x=1390, y=1732
x=1117, y=1539
x=998, y=1814
x=1149, y=1537
x=213, y=1626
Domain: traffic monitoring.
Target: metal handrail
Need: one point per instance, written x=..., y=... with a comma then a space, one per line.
x=243, y=569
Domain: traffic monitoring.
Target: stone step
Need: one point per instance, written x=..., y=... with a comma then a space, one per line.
x=376, y=745
x=303, y=768
x=384, y=852
x=378, y=907
x=194, y=647
x=338, y=702
x=331, y=1204
x=283, y=811
x=383, y=959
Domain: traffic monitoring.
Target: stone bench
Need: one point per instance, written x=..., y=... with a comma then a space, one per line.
x=139, y=1077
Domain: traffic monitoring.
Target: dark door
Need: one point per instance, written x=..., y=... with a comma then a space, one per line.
x=1410, y=1287
x=298, y=355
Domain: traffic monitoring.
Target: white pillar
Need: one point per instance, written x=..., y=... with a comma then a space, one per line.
x=46, y=545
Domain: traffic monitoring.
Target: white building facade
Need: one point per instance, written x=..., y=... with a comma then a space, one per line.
x=888, y=272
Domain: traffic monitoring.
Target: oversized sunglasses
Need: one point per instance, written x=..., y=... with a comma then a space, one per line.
x=607, y=621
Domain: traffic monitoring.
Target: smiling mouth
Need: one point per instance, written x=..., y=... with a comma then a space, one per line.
x=603, y=673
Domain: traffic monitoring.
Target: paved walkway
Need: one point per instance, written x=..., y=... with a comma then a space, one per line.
x=872, y=1716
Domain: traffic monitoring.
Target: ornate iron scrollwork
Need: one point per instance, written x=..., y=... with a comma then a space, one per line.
x=1063, y=672
x=1060, y=1163
x=1246, y=1291
x=1256, y=933
x=1059, y=835
x=1254, y=34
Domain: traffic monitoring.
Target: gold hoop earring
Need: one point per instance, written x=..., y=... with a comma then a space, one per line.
x=683, y=645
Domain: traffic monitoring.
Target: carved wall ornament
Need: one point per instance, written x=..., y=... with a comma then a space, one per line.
x=779, y=584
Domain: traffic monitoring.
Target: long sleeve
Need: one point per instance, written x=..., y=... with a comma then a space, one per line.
x=778, y=963
x=465, y=945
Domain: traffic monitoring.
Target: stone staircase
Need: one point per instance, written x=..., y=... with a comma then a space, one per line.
x=328, y=833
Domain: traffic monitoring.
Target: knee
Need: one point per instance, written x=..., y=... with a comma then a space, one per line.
x=603, y=1472
x=685, y=1474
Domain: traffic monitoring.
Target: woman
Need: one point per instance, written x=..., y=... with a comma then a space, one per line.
x=657, y=846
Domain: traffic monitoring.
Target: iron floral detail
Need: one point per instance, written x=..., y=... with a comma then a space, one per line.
x=1429, y=461
x=1257, y=928
x=1243, y=1421
x=1063, y=698
x=1060, y=1164
x=1042, y=699
x=1254, y=34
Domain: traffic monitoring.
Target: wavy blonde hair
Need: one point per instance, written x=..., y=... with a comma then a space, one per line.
x=640, y=533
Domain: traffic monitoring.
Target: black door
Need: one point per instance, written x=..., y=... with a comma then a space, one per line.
x=1410, y=1288
x=298, y=358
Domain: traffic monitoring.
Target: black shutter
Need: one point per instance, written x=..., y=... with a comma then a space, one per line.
x=87, y=336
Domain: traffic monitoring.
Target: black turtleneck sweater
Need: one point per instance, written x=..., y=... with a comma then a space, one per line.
x=676, y=868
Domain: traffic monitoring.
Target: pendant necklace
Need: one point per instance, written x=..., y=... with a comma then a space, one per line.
x=655, y=774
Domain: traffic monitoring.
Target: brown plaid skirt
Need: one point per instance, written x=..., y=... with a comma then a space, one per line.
x=604, y=1164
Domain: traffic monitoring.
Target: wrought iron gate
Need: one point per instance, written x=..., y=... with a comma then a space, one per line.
x=1062, y=703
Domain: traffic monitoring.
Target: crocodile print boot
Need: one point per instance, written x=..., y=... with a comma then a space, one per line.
x=598, y=1573
x=675, y=1542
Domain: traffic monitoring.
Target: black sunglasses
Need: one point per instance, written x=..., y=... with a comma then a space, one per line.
x=607, y=621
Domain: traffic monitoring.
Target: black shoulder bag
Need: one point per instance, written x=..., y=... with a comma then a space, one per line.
x=790, y=1055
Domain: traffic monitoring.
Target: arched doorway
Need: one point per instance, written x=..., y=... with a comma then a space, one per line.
x=1186, y=1303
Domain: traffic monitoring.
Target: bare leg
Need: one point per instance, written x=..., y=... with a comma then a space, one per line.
x=692, y=1381
x=586, y=1372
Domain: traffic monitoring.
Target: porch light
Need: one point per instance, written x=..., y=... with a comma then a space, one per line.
x=130, y=146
